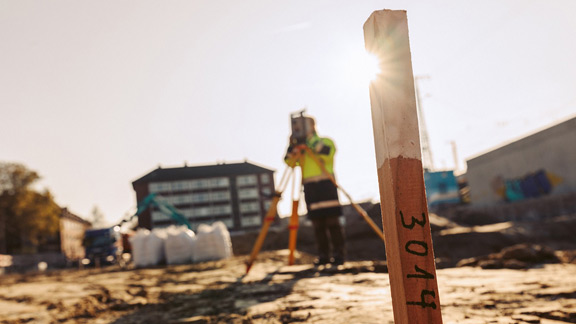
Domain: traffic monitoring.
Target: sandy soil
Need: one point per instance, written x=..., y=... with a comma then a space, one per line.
x=219, y=292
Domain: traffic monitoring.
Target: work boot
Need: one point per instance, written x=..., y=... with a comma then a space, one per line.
x=321, y=261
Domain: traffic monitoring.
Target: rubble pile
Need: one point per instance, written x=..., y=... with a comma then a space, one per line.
x=520, y=256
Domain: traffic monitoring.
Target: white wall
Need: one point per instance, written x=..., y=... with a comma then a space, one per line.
x=552, y=149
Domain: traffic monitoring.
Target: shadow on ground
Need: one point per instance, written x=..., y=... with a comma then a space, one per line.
x=229, y=303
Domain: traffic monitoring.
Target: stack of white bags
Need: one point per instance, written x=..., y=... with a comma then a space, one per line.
x=179, y=245
x=148, y=247
x=212, y=243
x=180, y=242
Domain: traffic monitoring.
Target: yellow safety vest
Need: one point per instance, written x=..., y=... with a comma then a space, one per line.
x=324, y=149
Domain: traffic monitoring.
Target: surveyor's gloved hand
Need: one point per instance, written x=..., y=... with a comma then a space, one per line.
x=291, y=154
x=316, y=144
x=290, y=149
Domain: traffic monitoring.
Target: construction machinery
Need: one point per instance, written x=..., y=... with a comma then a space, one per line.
x=155, y=201
x=107, y=245
x=103, y=246
x=152, y=200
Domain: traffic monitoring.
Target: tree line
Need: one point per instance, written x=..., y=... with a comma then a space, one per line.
x=29, y=219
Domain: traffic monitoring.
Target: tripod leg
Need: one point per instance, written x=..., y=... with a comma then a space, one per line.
x=263, y=231
x=271, y=214
x=293, y=231
x=357, y=207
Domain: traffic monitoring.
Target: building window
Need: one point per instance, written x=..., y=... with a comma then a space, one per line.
x=180, y=199
x=250, y=193
x=266, y=191
x=251, y=221
x=220, y=196
x=153, y=187
x=222, y=210
x=199, y=184
x=187, y=185
x=201, y=211
x=246, y=180
x=265, y=178
x=219, y=182
x=159, y=187
x=178, y=186
x=228, y=222
x=249, y=207
x=201, y=197
x=159, y=216
x=206, y=211
x=267, y=204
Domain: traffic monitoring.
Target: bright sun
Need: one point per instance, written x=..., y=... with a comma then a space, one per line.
x=366, y=67
x=372, y=66
x=359, y=68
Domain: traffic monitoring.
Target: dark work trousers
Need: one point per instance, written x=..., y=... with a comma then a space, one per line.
x=328, y=230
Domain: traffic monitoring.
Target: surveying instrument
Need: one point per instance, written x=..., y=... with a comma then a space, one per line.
x=301, y=126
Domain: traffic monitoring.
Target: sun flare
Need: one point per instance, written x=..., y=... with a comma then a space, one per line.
x=368, y=67
x=360, y=67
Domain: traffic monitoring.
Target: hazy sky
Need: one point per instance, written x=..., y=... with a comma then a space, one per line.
x=95, y=94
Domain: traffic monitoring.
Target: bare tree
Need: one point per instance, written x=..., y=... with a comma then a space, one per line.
x=98, y=220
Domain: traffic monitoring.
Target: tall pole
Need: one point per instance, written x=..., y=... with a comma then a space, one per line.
x=427, y=161
x=455, y=156
x=408, y=240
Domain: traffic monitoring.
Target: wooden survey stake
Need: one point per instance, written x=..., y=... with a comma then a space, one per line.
x=404, y=210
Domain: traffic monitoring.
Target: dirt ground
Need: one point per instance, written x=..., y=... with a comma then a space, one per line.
x=511, y=272
x=220, y=292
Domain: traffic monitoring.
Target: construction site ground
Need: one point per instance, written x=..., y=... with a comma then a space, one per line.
x=218, y=292
x=533, y=282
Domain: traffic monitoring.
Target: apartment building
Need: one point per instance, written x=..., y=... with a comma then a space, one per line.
x=238, y=194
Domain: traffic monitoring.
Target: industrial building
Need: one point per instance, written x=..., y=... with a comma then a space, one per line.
x=539, y=167
x=238, y=194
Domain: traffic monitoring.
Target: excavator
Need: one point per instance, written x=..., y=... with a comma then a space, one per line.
x=107, y=245
x=165, y=207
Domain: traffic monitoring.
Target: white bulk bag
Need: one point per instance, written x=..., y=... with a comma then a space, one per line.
x=139, y=242
x=155, y=246
x=224, y=238
x=212, y=243
x=148, y=247
x=179, y=244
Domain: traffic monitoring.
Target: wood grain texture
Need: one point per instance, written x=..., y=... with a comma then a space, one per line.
x=408, y=240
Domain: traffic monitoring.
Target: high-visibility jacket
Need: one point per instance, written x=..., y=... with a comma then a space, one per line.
x=324, y=149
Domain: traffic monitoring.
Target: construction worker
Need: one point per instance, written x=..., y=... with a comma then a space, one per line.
x=320, y=193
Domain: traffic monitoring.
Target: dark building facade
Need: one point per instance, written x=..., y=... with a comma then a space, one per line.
x=238, y=194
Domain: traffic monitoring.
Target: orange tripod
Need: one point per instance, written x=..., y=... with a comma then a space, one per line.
x=293, y=225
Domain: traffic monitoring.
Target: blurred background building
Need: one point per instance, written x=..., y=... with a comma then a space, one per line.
x=538, y=165
x=238, y=194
